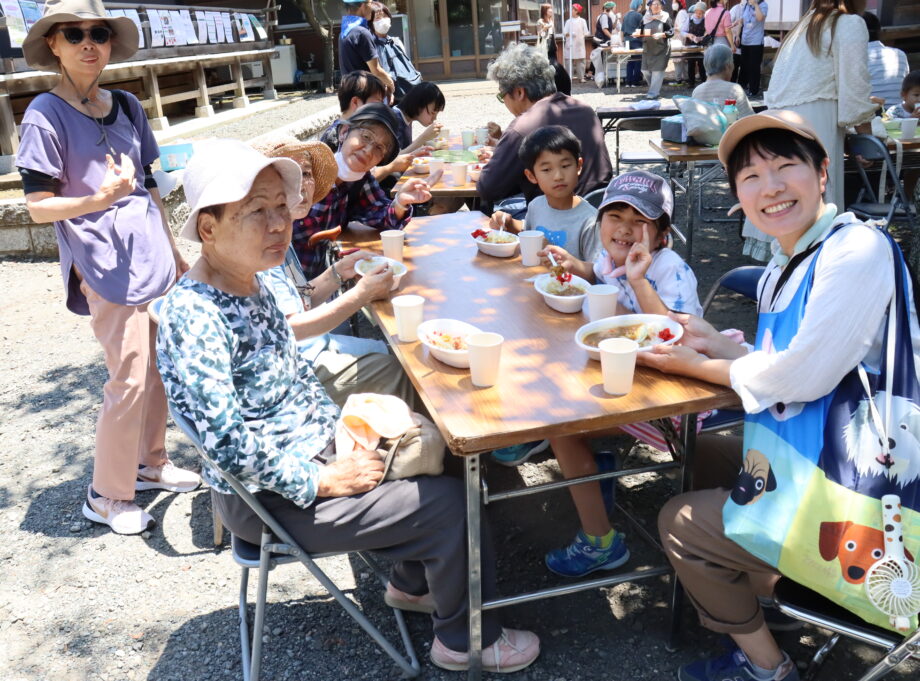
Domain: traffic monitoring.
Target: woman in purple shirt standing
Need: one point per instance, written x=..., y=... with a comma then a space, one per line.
x=84, y=157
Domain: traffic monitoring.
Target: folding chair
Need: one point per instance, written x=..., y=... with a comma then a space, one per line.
x=801, y=603
x=595, y=197
x=276, y=547
x=869, y=205
x=637, y=124
x=217, y=524
x=741, y=280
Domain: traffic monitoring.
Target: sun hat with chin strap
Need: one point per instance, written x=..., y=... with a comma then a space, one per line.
x=35, y=48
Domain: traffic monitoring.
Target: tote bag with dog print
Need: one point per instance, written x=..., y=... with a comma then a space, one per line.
x=807, y=499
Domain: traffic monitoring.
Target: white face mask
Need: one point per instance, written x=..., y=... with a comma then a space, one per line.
x=345, y=173
x=382, y=26
x=675, y=6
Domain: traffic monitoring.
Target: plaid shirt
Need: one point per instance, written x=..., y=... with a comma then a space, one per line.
x=369, y=205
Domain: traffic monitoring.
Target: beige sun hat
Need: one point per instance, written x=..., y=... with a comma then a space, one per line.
x=35, y=48
x=321, y=158
x=222, y=171
x=780, y=119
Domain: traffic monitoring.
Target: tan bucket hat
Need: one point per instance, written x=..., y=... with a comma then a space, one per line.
x=321, y=158
x=36, y=51
x=780, y=119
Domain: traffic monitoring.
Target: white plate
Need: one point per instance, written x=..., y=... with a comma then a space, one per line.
x=497, y=250
x=455, y=358
x=567, y=304
x=628, y=320
x=368, y=264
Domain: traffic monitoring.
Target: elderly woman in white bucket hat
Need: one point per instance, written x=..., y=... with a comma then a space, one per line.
x=228, y=360
x=84, y=157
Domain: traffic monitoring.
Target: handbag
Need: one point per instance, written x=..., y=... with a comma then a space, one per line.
x=710, y=37
x=418, y=451
x=703, y=121
x=396, y=62
x=807, y=500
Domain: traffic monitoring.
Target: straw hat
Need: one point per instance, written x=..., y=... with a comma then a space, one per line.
x=39, y=56
x=222, y=171
x=321, y=159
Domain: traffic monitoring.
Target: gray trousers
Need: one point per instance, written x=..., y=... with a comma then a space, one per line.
x=417, y=522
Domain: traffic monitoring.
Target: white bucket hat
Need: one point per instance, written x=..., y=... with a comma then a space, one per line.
x=39, y=56
x=223, y=170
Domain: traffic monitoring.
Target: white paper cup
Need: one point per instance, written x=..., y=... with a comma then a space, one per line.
x=485, y=350
x=458, y=173
x=435, y=164
x=445, y=133
x=408, y=310
x=618, y=363
x=602, y=301
x=467, y=138
x=393, y=240
x=482, y=135
x=531, y=242
x=908, y=128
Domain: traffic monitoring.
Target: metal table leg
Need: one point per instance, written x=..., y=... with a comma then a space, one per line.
x=688, y=442
x=471, y=477
x=691, y=171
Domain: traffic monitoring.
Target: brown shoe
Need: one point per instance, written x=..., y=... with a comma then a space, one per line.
x=403, y=601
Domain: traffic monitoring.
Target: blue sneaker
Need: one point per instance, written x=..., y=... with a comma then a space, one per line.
x=581, y=557
x=734, y=666
x=515, y=455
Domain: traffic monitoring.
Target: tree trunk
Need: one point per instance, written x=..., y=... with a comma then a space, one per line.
x=324, y=33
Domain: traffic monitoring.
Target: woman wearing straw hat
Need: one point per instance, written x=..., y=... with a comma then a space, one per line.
x=344, y=364
x=84, y=157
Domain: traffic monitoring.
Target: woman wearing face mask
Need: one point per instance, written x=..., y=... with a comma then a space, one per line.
x=693, y=36
x=392, y=53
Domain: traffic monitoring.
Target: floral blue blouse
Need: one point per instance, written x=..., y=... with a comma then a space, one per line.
x=229, y=364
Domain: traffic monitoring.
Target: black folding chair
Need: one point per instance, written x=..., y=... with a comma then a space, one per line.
x=869, y=205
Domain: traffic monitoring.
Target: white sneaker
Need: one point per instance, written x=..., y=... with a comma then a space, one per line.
x=124, y=517
x=168, y=477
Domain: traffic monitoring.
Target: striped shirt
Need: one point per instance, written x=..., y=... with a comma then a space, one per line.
x=887, y=68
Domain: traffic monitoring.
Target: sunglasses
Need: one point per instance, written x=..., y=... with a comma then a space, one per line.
x=76, y=35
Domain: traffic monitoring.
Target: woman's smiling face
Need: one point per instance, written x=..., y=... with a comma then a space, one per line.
x=781, y=195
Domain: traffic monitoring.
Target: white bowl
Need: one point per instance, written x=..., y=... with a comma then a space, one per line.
x=455, y=358
x=421, y=168
x=567, y=304
x=626, y=320
x=368, y=264
x=497, y=250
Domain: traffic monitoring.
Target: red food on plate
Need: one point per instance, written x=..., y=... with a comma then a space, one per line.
x=666, y=334
x=480, y=234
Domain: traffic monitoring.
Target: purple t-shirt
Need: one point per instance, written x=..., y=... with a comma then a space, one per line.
x=122, y=252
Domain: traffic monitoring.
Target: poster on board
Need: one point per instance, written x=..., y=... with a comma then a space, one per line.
x=191, y=36
x=31, y=11
x=201, y=26
x=244, y=28
x=228, y=26
x=218, y=27
x=133, y=15
x=15, y=23
x=261, y=33
x=156, y=28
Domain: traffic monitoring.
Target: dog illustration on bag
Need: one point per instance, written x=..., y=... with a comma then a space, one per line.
x=756, y=478
x=902, y=464
x=857, y=547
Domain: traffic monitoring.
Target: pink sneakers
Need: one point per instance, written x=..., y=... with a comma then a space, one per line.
x=167, y=477
x=403, y=601
x=124, y=517
x=514, y=650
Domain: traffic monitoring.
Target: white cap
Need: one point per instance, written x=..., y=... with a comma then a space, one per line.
x=223, y=170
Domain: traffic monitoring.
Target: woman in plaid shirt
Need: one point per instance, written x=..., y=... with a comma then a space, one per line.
x=368, y=139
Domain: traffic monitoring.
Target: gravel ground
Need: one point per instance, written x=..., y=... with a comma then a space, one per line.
x=78, y=603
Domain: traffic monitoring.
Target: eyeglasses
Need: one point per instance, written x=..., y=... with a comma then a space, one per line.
x=369, y=141
x=500, y=96
x=76, y=35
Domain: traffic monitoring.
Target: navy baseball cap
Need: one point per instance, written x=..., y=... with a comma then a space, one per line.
x=648, y=193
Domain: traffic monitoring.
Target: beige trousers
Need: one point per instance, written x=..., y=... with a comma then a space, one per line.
x=343, y=374
x=722, y=579
x=131, y=428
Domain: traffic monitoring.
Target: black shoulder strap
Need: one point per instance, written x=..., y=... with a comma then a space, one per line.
x=124, y=104
x=718, y=23
x=794, y=262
